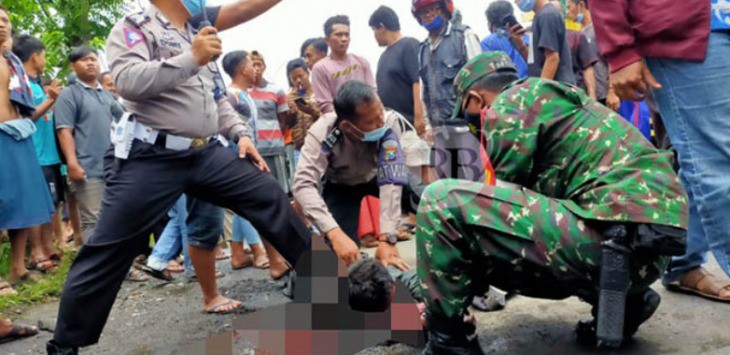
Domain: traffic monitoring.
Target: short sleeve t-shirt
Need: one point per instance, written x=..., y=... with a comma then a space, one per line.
x=583, y=55
x=328, y=76
x=89, y=113
x=270, y=100
x=44, y=139
x=601, y=67
x=549, y=33
x=397, y=72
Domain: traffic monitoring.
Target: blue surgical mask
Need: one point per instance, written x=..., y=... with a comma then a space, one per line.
x=436, y=24
x=375, y=135
x=579, y=18
x=526, y=5
x=194, y=7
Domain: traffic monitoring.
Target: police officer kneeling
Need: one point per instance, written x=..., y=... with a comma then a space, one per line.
x=355, y=152
x=584, y=206
x=169, y=146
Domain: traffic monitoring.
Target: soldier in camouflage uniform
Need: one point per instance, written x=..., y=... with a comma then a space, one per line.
x=567, y=168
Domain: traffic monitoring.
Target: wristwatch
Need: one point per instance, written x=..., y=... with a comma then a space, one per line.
x=390, y=238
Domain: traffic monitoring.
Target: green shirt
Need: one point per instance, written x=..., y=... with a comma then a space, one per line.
x=555, y=140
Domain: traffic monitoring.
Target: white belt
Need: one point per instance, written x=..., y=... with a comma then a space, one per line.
x=128, y=130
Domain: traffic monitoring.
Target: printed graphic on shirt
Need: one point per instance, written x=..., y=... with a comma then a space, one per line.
x=347, y=71
x=720, y=14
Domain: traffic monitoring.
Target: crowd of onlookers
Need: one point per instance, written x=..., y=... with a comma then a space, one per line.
x=413, y=77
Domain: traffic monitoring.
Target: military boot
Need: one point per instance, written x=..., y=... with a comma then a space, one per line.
x=54, y=349
x=451, y=337
x=639, y=308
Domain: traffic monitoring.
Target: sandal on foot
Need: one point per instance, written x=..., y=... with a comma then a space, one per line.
x=19, y=331
x=160, y=275
x=29, y=277
x=42, y=265
x=241, y=266
x=261, y=262
x=175, y=267
x=136, y=276
x=700, y=282
x=6, y=289
x=215, y=309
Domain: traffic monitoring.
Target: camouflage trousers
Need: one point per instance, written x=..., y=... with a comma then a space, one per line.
x=471, y=236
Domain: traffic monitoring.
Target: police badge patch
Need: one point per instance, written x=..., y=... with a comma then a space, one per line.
x=390, y=150
x=133, y=36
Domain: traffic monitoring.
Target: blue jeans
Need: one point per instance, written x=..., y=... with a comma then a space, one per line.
x=193, y=222
x=173, y=238
x=695, y=105
x=243, y=230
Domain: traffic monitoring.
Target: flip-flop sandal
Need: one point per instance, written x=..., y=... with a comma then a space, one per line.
x=45, y=265
x=160, y=275
x=29, y=277
x=6, y=289
x=214, y=308
x=700, y=283
x=55, y=258
x=19, y=331
x=262, y=262
x=242, y=266
x=136, y=276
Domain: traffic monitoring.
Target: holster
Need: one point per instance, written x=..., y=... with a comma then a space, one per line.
x=620, y=241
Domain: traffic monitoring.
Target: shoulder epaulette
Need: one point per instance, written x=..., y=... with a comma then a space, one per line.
x=138, y=19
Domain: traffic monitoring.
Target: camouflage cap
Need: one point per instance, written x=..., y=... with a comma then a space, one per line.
x=476, y=69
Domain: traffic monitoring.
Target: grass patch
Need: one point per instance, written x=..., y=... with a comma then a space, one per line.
x=48, y=288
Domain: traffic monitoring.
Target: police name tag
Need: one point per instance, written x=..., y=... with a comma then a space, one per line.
x=123, y=136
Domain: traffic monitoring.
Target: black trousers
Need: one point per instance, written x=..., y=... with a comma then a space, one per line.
x=138, y=194
x=343, y=202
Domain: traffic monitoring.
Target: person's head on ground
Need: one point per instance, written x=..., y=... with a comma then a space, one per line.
x=578, y=11
x=107, y=82
x=239, y=67
x=259, y=66
x=361, y=112
x=496, y=14
x=313, y=50
x=31, y=52
x=298, y=74
x=371, y=287
x=6, y=27
x=337, y=35
x=386, y=26
x=530, y=5
x=85, y=63
x=480, y=81
x=433, y=15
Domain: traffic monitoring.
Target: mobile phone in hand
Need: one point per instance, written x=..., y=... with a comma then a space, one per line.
x=300, y=101
x=510, y=21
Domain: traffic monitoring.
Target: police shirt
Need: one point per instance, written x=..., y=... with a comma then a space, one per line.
x=350, y=162
x=162, y=85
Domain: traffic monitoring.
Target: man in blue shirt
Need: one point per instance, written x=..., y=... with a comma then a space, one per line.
x=503, y=38
x=32, y=53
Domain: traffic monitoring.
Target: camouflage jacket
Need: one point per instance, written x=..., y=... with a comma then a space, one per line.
x=555, y=140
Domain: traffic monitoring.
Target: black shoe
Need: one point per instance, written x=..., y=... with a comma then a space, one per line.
x=54, y=349
x=289, y=281
x=447, y=344
x=639, y=308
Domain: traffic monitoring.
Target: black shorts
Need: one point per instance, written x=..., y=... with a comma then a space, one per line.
x=56, y=183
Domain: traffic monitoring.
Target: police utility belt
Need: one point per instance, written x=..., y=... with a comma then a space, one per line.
x=128, y=129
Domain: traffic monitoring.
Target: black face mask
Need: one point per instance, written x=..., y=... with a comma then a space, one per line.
x=474, y=120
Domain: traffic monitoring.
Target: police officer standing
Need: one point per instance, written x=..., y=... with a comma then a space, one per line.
x=171, y=144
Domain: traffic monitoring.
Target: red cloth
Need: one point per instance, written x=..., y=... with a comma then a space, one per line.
x=628, y=30
x=369, y=217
